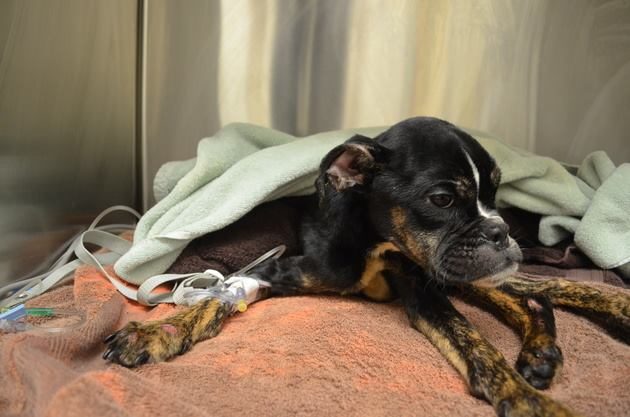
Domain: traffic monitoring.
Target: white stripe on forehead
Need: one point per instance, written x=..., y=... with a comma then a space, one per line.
x=483, y=211
x=474, y=170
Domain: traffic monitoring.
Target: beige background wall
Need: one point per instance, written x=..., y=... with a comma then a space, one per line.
x=67, y=121
x=549, y=76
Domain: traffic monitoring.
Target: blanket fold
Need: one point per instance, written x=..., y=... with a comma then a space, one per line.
x=239, y=168
x=603, y=231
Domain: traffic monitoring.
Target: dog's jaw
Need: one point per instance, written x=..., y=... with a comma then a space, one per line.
x=514, y=256
x=496, y=279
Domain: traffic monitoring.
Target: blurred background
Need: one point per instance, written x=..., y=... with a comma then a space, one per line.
x=96, y=94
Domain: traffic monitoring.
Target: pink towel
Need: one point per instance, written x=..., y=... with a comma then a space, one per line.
x=284, y=356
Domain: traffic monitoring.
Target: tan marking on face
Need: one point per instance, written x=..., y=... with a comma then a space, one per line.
x=464, y=188
x=419, y=246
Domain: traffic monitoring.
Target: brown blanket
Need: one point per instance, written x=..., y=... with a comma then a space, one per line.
x=284, y=356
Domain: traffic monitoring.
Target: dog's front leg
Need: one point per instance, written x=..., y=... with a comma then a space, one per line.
x=160, y=340
x=155, y=341
x=610, y=310
x=486, y=371
x=532, y=317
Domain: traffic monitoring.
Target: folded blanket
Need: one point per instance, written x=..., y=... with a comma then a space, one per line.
x=284, y=356
x=603, y=230
x=243, y=166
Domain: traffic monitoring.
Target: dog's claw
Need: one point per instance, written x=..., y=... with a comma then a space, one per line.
x=142, y=358
x=110, y=337
x=108, y=354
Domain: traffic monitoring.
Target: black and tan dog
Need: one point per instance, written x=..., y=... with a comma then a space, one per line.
x=410, y=214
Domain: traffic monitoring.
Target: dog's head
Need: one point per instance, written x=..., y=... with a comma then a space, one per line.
x=429, y=189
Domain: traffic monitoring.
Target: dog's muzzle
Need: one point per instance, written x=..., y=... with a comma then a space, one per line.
x=482, y=253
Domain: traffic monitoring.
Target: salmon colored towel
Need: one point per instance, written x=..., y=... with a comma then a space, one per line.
x=284, y=357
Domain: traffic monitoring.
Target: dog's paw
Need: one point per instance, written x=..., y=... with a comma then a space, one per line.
x=140, y=343
x=531, y=403
x=539, y=361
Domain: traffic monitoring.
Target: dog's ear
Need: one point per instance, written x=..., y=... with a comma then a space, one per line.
x=352, y=164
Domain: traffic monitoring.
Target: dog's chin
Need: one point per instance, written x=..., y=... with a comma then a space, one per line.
x=496, y=279
x=512, y=256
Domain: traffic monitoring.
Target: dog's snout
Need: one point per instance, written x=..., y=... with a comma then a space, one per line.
x=495, y=230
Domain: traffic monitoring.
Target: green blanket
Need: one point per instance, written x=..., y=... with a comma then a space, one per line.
x=244, y=165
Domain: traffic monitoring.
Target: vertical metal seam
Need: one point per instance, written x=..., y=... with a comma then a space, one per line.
x=140, y=148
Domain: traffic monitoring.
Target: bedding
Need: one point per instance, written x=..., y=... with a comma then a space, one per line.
x=314, y=355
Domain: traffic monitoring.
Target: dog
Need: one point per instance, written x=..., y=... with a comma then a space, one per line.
x=410, y=214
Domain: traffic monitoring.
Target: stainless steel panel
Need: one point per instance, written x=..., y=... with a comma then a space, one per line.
x=551, y=77
x=67, y=120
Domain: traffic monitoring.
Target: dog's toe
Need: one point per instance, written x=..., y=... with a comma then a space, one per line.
x=539, y=363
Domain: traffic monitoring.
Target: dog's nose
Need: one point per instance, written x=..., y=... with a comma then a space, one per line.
x=495, y=230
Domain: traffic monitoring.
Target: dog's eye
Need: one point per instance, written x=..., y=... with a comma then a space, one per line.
x=442, y=200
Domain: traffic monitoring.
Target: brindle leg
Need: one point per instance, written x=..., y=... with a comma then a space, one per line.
x=156, y=341
x=611, y=311
x=484, y=368
x=540, y=358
